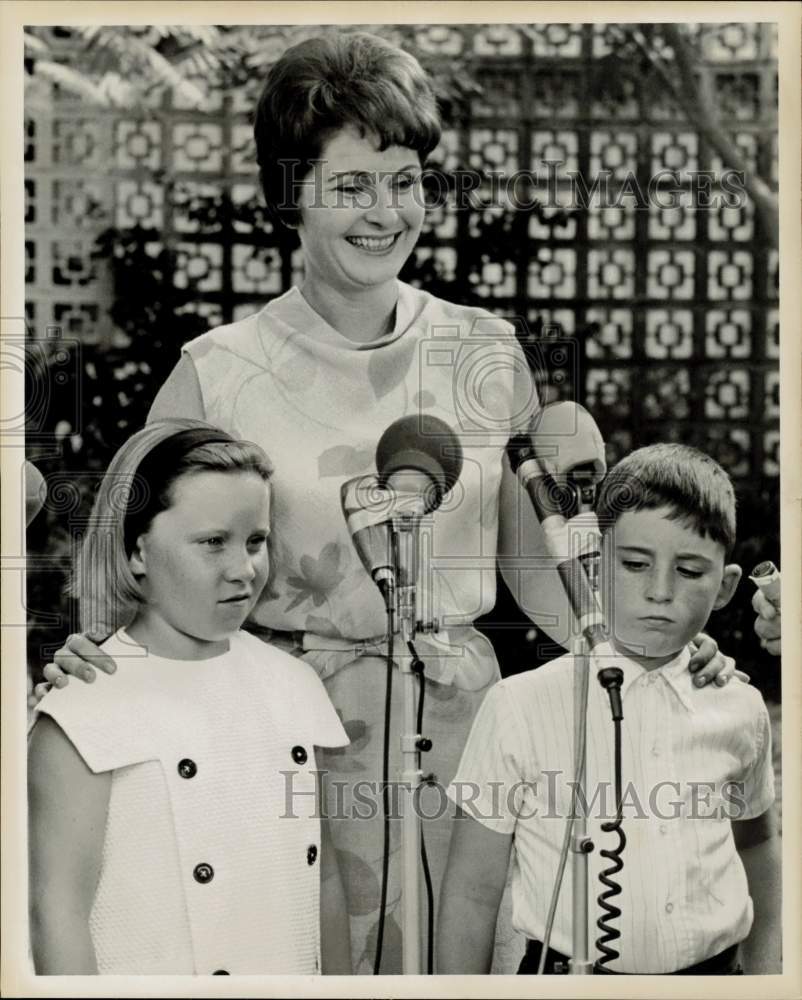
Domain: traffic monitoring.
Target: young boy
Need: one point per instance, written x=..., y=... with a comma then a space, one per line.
x=697, y=773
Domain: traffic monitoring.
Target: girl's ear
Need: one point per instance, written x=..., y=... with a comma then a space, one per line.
x=137, y=561
x=730, y=580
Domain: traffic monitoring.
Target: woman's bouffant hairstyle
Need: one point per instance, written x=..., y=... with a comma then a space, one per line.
x=693, y=485
x=324, y=84
x=138, y=485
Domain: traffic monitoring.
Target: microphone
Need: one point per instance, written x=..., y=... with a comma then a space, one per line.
x=367, y=508
x=560, y=462
x=419, y=460
x=424, y=445
x=35, y=492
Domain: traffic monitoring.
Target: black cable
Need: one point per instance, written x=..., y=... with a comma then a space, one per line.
x=419, y=668
x=427, y=877
x=611, y=679
x=388, y=701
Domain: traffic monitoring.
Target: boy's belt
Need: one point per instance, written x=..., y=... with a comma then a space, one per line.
x=726, y=963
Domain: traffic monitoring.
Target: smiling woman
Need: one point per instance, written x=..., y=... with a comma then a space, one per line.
x=361, y=216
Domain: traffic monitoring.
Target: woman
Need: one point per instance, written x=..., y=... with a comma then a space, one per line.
x=343, y=130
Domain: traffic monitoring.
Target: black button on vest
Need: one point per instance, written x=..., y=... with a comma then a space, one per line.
x=299, y=755
x=187, y=768
x=311, y=854
x=203, y=873
x=221, y=972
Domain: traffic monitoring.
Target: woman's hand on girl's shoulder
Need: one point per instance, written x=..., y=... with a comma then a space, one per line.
x=78, y=657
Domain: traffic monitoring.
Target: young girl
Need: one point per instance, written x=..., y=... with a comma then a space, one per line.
x=173, y=811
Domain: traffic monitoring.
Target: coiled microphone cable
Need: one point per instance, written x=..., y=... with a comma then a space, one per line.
x=611, y=679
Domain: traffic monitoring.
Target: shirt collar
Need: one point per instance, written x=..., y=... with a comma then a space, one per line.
x=675, y=673
x=678, y=677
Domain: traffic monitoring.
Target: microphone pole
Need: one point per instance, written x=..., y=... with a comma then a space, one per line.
x=420, y=458
x=405, y=534
x=556, y=500
x=383, y=520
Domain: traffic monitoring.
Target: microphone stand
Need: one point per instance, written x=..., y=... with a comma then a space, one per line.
x=404, y=543
x=580, y=589
x=580, y=963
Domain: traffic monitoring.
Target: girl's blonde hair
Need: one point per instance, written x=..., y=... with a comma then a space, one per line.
x=136, y=487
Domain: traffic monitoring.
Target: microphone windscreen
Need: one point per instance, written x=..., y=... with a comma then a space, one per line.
x=564, y=435
x=423, y=443
x=35, y=492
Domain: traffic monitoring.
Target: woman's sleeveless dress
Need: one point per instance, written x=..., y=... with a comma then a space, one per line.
x=318, y=404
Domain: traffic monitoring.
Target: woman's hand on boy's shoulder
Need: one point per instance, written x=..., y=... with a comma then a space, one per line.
x=79, y=657
x=708, y=663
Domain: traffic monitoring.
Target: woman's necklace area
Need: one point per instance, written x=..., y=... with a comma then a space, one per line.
x=357, y=325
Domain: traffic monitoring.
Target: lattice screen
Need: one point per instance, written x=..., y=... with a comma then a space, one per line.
x=666, y=318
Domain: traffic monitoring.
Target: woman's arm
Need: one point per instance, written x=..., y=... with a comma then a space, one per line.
x=67, y=808
x=181, y=395
x=526, y=566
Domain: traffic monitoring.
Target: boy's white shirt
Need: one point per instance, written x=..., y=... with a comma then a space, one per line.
x=685, y=896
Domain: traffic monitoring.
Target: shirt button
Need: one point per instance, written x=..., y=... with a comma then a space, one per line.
x=311, y=854
x=299, y=755
x=669, y=907
x=655, y=751
x=187, y=768
x=203, y=873
x=663, y=828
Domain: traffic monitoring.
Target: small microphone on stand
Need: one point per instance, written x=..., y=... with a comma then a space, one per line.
x=419, y=459
x=367, y=510
x=559, y=463
x=35, y=492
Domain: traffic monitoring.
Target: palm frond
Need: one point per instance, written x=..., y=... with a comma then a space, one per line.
x=70, y=80
x=34, y=46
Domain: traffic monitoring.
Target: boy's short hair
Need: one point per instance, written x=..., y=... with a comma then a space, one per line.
x=324, y=84
x=677, y=476
x=102, y=580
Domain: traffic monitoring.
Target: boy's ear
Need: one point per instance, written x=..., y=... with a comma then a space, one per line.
x=137, y=561
x=729, y=583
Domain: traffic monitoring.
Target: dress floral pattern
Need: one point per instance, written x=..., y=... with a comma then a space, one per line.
x=318, y=404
